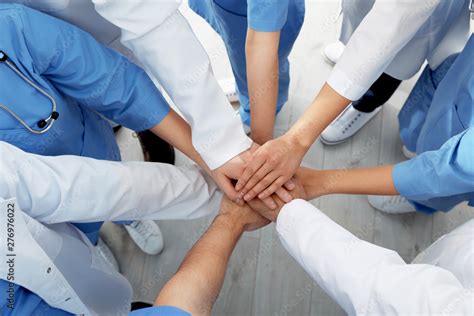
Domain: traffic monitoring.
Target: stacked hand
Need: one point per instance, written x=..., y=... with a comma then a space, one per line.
x=271, y=168
x=234, y=169
x=299, y=192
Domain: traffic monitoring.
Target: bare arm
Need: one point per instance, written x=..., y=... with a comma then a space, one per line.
x=325, y=108
x=176, y=131
x=262, y=75
x=197, y=283
x=373, y=181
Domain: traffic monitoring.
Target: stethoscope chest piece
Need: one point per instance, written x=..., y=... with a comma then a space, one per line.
x=44, y=125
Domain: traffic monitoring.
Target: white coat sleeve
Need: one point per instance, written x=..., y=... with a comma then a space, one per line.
x=78, y=189
x=384, y=31
x=365, y=279
x=165, y=44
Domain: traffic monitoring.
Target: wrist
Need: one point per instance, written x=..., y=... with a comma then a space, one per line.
x=231, y=222
x=320, y=182
x=298, y=142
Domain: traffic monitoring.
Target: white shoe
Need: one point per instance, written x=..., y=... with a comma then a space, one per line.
x=407, y=153
x=346, y=125
x=147, y=235
x=230, y=89
x=246, y=127
x=107, y=254
x=391, y=204
x=333, y=52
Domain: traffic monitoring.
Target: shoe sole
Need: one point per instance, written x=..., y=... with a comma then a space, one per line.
x=330, y=143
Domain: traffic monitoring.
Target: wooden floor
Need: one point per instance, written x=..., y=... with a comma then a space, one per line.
x=262, y=278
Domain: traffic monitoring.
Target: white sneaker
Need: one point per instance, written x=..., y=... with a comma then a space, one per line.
x=391, y=204
x=346, y=125
x=246, y=127
x=147, y=235
x=333, y=52
x=107, y=254
x=407, y=153
x=230, y=89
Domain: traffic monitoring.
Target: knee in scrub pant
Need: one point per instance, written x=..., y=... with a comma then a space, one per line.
x=412, y=116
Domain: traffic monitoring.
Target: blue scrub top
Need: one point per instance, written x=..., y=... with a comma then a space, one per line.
x=231, y=19
x=88, y=81
x=437, y=122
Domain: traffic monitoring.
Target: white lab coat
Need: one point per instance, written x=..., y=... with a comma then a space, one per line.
x=54, y=259
x=365, y=279
x=396, y=37
x=164, y=44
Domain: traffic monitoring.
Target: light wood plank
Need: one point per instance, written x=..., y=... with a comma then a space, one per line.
x=282, y=287
x=407, y=234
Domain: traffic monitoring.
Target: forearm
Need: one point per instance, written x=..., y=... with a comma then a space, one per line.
x=262, y=77
x=174, y=129
x=324, y=109
x=370, y=181
x=199, y=279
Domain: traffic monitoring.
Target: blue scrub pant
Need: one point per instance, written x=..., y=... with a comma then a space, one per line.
x=413, y=114
x=232, y=27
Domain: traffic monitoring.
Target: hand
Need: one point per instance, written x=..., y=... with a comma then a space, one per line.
x=272, y=166
x=233, y=169
x=242, y=216
x=299, y=192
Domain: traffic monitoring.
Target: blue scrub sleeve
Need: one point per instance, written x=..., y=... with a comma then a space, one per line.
x=95, y=76
x=160, y=311
x=444, y=172
x=267, y=15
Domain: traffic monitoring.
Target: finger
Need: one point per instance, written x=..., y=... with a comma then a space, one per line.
x=249, y=171
x=290, y=185
x=270, y=203
x=259, y=181
x=228, y=189
x=278, y=183
x=284, y=195
x=260, y=186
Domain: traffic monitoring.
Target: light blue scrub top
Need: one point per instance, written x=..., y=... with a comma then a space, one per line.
x=87, y=81
x=232, y=18
x=437, y=122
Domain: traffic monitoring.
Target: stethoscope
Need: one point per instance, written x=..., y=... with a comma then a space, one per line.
x=44, y=125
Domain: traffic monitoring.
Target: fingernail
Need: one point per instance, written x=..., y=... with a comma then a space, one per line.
x=291, y=185
x=287, y=197
x=238, y=187
x=247, y=197
x=241, y=195
x=239, y=202
x=274, y=206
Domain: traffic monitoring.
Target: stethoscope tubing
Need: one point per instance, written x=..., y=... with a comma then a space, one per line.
x=50, y=120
